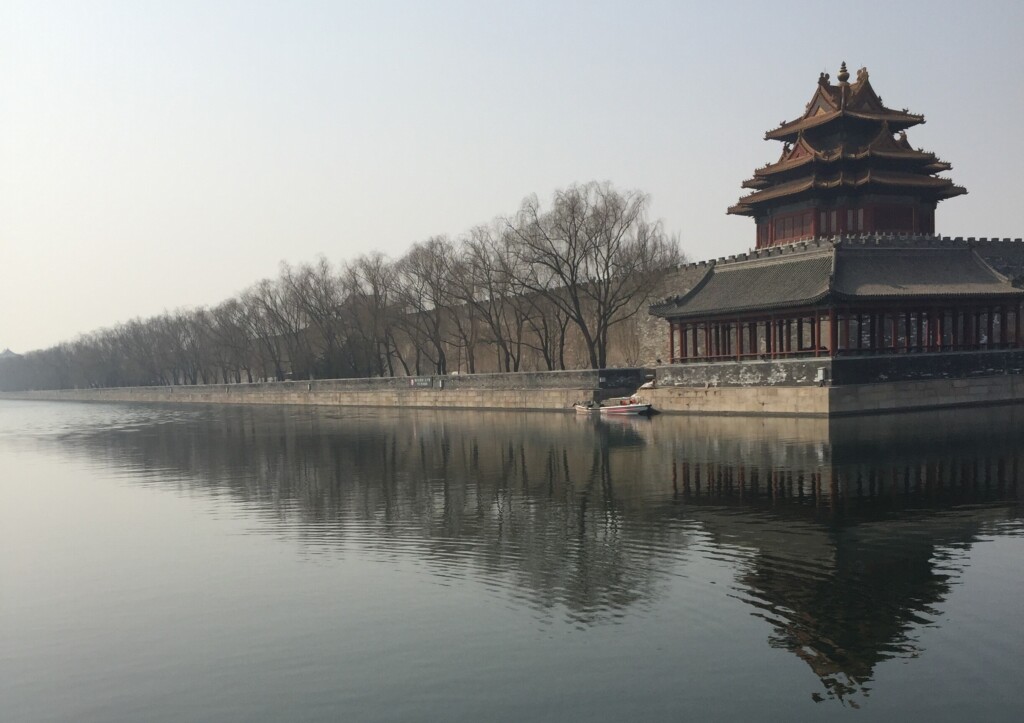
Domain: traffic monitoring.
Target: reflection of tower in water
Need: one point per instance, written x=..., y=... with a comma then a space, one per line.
x=833, y=524
x=872, y=513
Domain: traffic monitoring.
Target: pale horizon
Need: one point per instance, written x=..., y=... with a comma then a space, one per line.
x=170, y=155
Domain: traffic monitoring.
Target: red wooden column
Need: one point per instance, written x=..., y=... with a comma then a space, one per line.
x=833, y=330
x=906, y=330
x=990, y=317
x=707, y=339
x=671, y=341
x=683, y=351
x=739, y=340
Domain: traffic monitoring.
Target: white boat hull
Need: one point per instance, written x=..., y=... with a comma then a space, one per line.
x=615, y=409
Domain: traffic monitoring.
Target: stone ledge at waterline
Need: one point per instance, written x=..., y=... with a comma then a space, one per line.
x=549, y=391
x=780, y=389
x=842, y=386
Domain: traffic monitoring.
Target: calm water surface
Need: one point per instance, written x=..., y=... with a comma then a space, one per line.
x=167, y=563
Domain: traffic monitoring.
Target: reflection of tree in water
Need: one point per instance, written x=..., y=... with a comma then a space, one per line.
x=588, y=516
x=527, y=502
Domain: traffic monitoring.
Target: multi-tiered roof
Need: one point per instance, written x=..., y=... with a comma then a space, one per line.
x=848, y=152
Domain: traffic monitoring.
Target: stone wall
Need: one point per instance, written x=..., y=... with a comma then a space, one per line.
x=945, y=365
x=837, y=401
x=522, y=391
x=754, y=400
x=844, y=370
x=778, y=372
x=557, y=391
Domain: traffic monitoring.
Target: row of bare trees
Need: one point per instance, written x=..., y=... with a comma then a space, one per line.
x=518, y=293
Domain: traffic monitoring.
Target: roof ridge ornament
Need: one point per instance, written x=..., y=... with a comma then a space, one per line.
x=843, y=74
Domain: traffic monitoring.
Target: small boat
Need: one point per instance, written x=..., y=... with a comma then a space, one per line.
x=615, y=407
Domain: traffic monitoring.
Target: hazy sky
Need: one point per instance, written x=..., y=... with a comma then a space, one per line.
x=156, y=155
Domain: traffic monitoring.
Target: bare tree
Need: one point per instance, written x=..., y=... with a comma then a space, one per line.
x=544, y=287
x=316, y=291
x=370, y=284
x=594, y=256
x=486, y=288
x=425, y=292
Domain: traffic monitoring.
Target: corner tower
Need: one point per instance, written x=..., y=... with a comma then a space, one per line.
x=846, y=167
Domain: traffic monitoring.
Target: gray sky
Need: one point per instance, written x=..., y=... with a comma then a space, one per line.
x=156, y=155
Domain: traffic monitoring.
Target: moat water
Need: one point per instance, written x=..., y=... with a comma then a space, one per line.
x=169, y=563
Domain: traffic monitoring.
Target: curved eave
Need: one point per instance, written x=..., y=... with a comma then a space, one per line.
x=897, y=122
x=656, y=309
x=927, y=161
x=952, y=192
x=941, y=187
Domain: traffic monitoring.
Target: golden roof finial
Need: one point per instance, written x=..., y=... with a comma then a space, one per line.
x=844, y=74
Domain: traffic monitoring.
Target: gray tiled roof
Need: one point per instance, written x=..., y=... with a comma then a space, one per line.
x=821, y=272
x=756, y=284
x=900, y=272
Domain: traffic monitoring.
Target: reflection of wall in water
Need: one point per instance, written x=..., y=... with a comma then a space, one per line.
x=946, y=455
x=585, y=515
